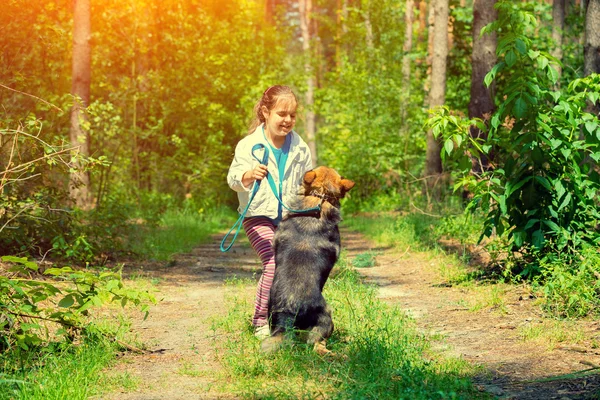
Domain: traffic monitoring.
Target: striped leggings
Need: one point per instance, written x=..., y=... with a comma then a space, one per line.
x=260, y=232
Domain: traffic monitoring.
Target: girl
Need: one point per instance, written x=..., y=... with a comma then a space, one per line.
x=289, y=159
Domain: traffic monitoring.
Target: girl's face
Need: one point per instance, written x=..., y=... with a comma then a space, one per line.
x=281, y=119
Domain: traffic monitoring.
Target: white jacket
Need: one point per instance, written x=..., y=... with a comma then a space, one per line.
x=265, y=203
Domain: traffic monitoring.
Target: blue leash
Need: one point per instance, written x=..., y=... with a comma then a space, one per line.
x=238, y=224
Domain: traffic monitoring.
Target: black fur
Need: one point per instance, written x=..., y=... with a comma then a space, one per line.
x=306, y=249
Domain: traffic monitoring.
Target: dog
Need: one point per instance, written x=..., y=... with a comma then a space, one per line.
x=306, y=246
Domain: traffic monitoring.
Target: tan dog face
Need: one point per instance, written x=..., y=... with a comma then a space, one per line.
x=325, y=181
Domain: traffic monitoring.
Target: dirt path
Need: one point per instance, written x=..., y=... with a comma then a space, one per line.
x=184, y=365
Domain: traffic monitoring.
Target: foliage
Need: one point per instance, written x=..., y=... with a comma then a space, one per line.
x=377, y=353
x=35, y=215
x=30, y=298
x=542, y=190
x=571, y=287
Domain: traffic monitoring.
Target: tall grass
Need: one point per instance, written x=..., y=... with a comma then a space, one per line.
x=178, y=231
x=59, y=372
x=377, y=353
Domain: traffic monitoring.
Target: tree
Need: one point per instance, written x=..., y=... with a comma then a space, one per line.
x=309, y=99
x=483, y=59
x=79, y=179
x=408, y=37
x=437, y=93
x=558, y=27
x=592, y=38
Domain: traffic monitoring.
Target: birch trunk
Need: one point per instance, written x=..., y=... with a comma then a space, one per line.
x=437, y=93
x=79, y=180
x=309, y=99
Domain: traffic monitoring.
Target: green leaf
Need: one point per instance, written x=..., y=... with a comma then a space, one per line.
x=510, y=189
x=555, y=143
x=490, y=76
x=67, y=301
x=591, y=126
x=22, y=261
x=518, y=237
x=511, y=58
x=530, y=223
x=552, y=225
x=537, y=239
x=566, y=153
x=552, y=74
x=448, y=145
x=560, y=189
x=495, y=121
x=544, y=182
x=521, y=46
x=520, y=108
x=565, y=202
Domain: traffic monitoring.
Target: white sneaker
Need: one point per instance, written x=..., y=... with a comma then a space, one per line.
x=262, y=332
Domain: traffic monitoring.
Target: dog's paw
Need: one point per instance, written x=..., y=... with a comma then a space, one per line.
x=320, y=349
x=271, y=344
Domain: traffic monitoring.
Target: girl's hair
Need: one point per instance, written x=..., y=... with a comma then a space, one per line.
x=269, y=99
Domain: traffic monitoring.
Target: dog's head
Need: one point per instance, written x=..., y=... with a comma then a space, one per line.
x=326, y=183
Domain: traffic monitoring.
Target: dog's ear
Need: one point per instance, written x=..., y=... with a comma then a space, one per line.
x=347, y=184
x=310, y=177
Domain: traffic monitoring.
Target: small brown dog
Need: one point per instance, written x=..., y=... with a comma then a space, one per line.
x=307, y=245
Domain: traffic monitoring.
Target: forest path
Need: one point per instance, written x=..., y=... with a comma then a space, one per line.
x=191, y=291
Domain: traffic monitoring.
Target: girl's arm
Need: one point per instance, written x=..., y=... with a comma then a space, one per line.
x=244, y=170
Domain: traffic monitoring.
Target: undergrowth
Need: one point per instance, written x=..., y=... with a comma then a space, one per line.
x=178, y=230
x=378, y=353
x=62, y=370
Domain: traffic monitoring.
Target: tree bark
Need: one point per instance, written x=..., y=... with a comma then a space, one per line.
x=368, y=25
x=270, y=11
x=305, y=8
x=437, y=93
x=342, y=30
x=591, y=48
x=422, y=20
x=408, y=38
x=558, y=27
x=407, y=48
x=79, y=179
x=483, y=59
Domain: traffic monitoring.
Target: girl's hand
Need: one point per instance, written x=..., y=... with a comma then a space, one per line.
x=257, y=173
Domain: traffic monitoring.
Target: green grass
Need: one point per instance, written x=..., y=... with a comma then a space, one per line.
x=378, y=353
x=178, y=231
x=74, y=372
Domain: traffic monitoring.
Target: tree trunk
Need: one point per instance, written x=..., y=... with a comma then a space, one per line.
x=422, y=20
x=368, y=25
x=437, y=93
x=408, y=38
x=342, y=30
x=79, y=180
x=305, y=8
x=558, y=27
x=269, y=11
x=407, y=48
x=591, y=48
x=483, y=59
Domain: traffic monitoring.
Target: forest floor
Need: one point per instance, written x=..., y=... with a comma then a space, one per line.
x=183, y=364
